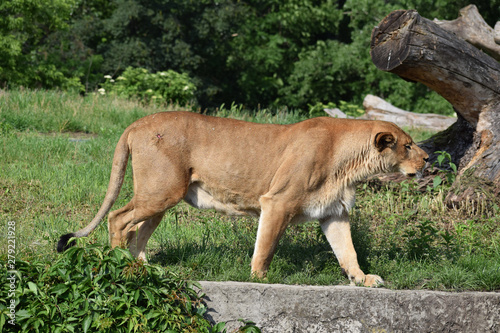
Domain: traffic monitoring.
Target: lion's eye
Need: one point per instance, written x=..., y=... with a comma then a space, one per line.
x=408, y=146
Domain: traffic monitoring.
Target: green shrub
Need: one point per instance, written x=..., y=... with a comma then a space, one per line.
x=93, y=290
x=161, y=87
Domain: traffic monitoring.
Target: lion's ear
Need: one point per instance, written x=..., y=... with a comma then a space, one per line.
x=384, y=140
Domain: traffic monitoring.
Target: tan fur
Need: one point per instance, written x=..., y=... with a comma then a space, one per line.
x=285, y=174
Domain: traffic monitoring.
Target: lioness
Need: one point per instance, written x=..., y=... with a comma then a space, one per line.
x=286, y=174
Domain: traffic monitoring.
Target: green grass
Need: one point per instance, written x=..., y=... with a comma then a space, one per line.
x=53, y=180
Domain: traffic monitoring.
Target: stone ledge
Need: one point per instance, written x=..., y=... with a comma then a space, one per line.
x=318, y=309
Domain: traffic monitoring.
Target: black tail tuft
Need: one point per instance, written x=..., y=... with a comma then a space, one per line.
x=63, y=245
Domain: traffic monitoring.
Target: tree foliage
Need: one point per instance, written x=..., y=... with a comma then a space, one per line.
x=26, y=51
x=265, y=52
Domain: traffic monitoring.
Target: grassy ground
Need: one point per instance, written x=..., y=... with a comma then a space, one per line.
x=56, y=152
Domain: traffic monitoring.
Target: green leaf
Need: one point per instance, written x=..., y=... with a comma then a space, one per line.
x=436, y=182
x=33, y=287
x=149, y=297
x=249, y=327
x=440, y=159
x=220, y=327
x=2, y=321
x=154, y=314
x=70, y=328
x=59, y=289
x=63, y=273
x=188, y=306
x=130, y=325
x=86, y=323
x=196, y=284
x=136, y=295
x=23, y=315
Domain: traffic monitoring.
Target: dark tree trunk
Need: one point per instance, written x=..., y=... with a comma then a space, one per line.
x=417, y=49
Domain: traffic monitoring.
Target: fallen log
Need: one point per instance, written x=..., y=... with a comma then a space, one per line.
x=336, y=113
x=378, y=109
x=471, y=27
x=497, y=33
x=417, y=49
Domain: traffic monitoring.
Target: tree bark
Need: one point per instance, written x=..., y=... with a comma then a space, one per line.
x=417, y=49
x=471, y=27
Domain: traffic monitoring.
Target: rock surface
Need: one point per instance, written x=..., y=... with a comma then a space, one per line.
x=322, y=309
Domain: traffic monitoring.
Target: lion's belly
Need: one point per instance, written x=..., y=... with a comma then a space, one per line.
x=329, y=203
x=229, y=203
x=320, y=206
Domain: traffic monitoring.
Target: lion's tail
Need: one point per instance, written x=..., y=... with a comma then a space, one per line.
x=120, y=161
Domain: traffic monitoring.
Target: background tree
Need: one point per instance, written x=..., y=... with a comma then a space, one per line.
x=271, y=40
x=25, y=44
x=292, y=53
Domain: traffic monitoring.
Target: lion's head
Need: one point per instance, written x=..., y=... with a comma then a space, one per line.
x=400, y=152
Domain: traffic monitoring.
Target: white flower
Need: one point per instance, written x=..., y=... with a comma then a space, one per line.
x=101, y=91
x=111, y=80
x=107, y=76
x=121, y=78
x=163, y=73
x=185, y=88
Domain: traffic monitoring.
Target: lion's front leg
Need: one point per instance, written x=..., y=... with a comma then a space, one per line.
x=274, y=218
x=338, y=232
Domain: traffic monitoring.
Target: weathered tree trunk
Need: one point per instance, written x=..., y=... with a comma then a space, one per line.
x=471, y=27
x=417, y=49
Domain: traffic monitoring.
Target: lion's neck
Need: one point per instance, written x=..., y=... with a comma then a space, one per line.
x=362, y=164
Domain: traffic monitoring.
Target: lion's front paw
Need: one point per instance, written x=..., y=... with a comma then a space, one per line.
x=373, y=281
x=260, y=276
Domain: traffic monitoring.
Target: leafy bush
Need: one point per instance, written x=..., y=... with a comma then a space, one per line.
x=162, y=87
x=94, y=290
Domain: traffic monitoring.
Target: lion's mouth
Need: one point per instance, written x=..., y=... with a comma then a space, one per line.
x=417, y=174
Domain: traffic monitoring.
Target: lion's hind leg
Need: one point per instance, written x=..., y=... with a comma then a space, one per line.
x=158, y=186
x=139, y=235
x=116, y=224
x=133, y=224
